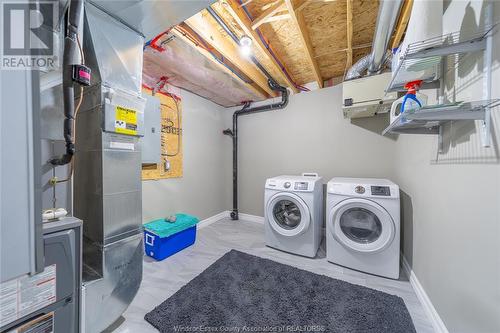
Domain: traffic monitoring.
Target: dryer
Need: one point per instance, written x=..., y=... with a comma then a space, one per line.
x=294, y=213
x=363, y=225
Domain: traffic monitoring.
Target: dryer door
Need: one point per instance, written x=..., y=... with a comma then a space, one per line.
x=361, y=225
x=288, y=214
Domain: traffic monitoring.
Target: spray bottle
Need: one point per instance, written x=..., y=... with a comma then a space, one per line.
x=412, y=100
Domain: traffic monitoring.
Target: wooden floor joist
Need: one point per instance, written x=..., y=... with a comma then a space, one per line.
x=298, y=20
x=244, y=22
x=205, y=26
x=197, y=45
x=275, y=8
x=277, y=17
x=349, y=34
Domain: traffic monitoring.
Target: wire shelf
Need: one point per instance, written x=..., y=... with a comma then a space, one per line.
x=403, y=126
x=428, y=119
x=423, y=60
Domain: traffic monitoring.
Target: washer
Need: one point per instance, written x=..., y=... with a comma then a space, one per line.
x=363, y=224
x=294, y=213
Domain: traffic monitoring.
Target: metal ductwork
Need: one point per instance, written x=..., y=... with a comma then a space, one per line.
x=107, y=182
x=388, y=14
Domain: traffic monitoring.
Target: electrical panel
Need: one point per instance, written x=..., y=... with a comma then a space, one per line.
x=151, y=142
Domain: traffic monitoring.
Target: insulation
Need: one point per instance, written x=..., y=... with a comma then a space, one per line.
x=185, y=67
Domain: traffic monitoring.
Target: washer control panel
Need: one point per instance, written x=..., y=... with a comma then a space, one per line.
x=384, y=191
x=301, y=186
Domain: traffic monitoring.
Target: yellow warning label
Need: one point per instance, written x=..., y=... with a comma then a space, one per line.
x=125, y=120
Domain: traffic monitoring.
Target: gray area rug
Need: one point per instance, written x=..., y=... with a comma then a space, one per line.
x=244, y=293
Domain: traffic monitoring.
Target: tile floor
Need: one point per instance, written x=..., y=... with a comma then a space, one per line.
x=163, y=279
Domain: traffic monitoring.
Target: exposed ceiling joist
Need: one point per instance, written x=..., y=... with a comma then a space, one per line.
x=275, y=18
x=193, y=42
x=246, y=25
x=275, y=8
x=402, y=23
x=205, y=26
x=298, y=20
x=349, y=34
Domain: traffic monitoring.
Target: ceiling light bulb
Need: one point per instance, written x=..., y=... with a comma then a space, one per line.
x=245, y=41
x=246, y=45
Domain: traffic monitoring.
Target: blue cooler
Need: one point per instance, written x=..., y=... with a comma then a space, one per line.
x=163, y=239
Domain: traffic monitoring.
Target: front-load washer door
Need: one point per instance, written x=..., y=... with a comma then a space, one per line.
x=362, y=225
x=288, y=214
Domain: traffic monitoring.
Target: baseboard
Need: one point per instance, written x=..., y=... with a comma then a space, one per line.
x=429, y=309
x=212, y=219
x=251, y=218
x=225, y=214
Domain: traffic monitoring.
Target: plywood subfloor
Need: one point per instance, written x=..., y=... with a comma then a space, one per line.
x=326, y=23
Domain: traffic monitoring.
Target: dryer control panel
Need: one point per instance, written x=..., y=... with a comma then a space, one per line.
x=366, y=188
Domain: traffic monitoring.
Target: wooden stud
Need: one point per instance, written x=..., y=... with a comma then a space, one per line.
x=404, y=17
x=252, y=87
x=298, y=21
x=208, y=29
x=349, y=34
x=244, y=22
x=277, y=18
x=277, y=7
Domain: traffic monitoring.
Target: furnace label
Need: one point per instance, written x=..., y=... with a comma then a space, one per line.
x=26, y=294
x=125, y=120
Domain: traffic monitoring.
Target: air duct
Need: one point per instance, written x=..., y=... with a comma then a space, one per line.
x=107, y=181
x=388, y=14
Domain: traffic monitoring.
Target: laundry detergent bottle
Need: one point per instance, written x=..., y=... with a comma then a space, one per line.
x=412, y=100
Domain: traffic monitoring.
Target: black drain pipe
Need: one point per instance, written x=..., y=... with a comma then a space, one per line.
x=234, y=134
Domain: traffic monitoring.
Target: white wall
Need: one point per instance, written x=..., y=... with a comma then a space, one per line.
x=202, y=189
x=452, y=202
x=309, y=135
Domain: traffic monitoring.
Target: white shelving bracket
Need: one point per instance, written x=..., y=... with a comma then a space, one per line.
x=440, y=140
x=488, y=60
